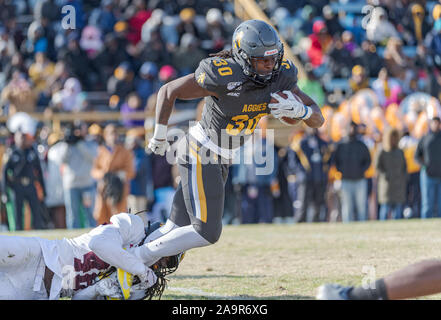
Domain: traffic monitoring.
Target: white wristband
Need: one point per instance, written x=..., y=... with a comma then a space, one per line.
x=160, y=132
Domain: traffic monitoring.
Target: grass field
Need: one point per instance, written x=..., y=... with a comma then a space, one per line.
x=291, y=261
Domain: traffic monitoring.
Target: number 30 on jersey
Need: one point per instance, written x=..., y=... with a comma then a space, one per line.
x=223, y=68
x=241, y=121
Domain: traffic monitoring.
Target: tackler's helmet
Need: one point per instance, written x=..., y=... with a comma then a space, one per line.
x=169, y=264
x=257, y=39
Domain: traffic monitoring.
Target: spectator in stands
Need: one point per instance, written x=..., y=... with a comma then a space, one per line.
x=16, y=64
x=433, y=44
x=23, y=176
x=95, y=134
x=91, y=42
x=72, y=98
x=110, y=56
x=309, y=161
x=187, y=57
x=157, y=49
x=77, y=60
x=121, y=31
x=320, y=43
x=60, y=76
x=352, y=159
x=167, y=73
x=137, y=20
x=113, y=170
x=187, y=23
x=132, y=104
x=307, y=15
x=395, y=60
x=160, y=27
x=120, y=85
x=390, y=165
x=77, y=156
x=19, y=94
x=358, y=79
x=332, y=21
x=103, y=17
x=146, y=83
x=368, y=57
x=41, y=72
x=369, y=140
x=215, y=31
x=340, y=60
x=7, y=11
x=388, y=90
x=286, y=26
x=349, y=42
x=409, y=144
x=47, y=9
x=7, y=43
x=428, y=155
x=15, y=31
x=53, y=181
x=141, y=186
x=35, y=41
x=379, y=29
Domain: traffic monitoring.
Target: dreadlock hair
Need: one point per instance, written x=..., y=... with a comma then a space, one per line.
x=224, y=54
x=157, y=289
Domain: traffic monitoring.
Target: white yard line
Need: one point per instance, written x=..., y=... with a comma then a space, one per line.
x=202, y=293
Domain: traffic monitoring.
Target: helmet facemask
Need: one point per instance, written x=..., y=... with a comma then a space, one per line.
x=249, y=43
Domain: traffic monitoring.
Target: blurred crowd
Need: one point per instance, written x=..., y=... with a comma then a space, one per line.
x=54, y=52
x=374, y=67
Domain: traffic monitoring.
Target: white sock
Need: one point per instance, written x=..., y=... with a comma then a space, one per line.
x=176, y=241
x=166, y=228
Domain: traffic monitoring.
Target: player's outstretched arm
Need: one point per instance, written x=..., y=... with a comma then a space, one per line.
x=416, y=280
x=419, y=279
x=316, y=119
x=184, y=88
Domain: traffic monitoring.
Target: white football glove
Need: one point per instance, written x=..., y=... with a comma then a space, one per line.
x=109, y=287
x=289, y=107
x=149, y=278
x=159, y=144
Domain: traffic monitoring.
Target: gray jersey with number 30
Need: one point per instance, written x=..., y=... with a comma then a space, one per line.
x=241, y=103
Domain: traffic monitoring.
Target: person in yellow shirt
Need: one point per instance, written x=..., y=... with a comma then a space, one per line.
x=41, y=72
x=408, y=144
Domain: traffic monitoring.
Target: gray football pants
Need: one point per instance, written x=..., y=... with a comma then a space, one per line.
x=196, y=215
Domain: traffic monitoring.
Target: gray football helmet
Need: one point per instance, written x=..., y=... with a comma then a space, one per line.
x=257, y=39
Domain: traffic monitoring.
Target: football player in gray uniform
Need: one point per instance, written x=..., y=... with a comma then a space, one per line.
x=238, y=86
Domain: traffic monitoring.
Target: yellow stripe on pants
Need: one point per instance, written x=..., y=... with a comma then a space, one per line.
x=200, y=184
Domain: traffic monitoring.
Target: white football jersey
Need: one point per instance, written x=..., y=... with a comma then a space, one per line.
x=77, y=262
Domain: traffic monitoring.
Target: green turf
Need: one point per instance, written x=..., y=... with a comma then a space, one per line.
x=291, y=261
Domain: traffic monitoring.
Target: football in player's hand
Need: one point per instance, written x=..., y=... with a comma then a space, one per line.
x=290, y=121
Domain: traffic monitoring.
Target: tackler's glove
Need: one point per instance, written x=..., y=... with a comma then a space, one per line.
x=290, y=107
x=148, y=278
x=159, y=144
x=109, y=287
